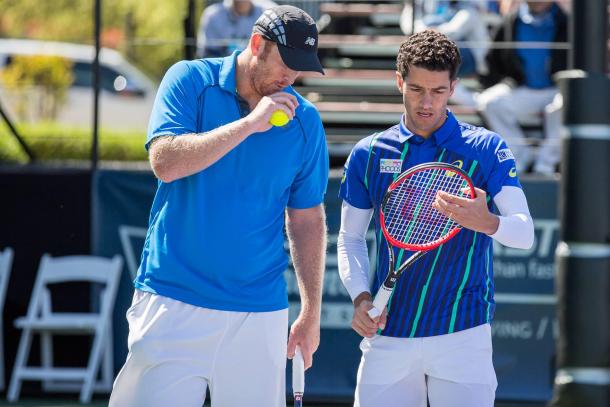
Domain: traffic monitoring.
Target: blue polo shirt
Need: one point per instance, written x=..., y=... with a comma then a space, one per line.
x=215, y=238
x=536, y=62
x=451, y=287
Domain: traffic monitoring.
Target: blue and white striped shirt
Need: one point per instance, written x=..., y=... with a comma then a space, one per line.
x=451, y=288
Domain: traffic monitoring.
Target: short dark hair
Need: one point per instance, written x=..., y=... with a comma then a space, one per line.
x=430, y=50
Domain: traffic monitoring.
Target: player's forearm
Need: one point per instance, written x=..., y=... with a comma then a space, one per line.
x=353, y=264
x=515, y=227
x=515, y=230
x=352, y=252
x=306, y=230
x=175, y=157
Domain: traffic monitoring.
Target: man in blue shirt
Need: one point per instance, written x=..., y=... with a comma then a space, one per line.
x=210, y=308
x=226, y=26
x=434, y=341
x=521, y=85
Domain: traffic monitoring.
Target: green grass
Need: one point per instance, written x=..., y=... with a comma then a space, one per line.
x=51, y=141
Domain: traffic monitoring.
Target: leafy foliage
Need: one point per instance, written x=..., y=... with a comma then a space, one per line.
x=50, y=74
x=150, y=33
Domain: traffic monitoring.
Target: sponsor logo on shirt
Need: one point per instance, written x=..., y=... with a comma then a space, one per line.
x=513, y=172
x=390, y=166
x=505, y=154
x=457, y=163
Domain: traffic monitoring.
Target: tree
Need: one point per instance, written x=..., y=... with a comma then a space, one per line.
x=44, y=77
x=151, y=30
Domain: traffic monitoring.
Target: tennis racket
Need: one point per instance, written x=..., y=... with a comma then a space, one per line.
x=409, y=221
x=298, y=377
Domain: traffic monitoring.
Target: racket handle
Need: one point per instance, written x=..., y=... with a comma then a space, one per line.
x=298, y=373
x=381, y=300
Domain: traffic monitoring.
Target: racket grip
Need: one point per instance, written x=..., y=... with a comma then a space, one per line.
x=298, y=372
x=381, y=300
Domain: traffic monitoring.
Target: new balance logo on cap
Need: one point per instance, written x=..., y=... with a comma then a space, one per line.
x=310, y=41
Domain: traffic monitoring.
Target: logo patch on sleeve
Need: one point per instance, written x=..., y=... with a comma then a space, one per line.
x=505, y=154
x=390, y=166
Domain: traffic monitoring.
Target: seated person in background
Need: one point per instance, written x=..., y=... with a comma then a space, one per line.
x=521, y=82
x=227, y=26
x=461, y=22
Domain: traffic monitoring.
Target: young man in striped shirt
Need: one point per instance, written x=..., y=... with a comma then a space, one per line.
x=434, y=341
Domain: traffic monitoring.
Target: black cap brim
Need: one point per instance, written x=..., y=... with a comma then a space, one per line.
x=300, y=60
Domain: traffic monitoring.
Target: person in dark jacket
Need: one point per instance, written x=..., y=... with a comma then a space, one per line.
x=520, y=84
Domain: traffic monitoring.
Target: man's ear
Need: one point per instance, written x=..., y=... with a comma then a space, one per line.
x=399, y=81
x=257, y=44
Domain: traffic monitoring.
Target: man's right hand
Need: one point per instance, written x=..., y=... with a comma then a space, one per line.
x=260, y=115
x=362, y=322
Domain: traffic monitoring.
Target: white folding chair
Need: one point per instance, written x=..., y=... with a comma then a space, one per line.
x=43, y=320
x=6, y=260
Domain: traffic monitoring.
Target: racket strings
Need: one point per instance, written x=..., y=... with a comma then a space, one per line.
x=408, y=212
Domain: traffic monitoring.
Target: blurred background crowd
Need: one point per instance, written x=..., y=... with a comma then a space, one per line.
x=510, y=49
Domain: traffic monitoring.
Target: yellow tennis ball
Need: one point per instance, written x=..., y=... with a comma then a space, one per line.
x=279, y=118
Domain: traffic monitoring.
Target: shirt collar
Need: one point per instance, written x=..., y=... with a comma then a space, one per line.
x=227, y=75
x=439, y=136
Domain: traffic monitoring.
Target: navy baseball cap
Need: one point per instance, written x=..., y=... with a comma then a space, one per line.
x=296, y=35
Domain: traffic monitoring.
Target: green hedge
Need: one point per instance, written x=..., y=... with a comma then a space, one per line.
x=51, y=74
x=50, y=141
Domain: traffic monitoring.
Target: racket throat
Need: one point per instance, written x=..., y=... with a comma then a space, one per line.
x=385, y=290
x=412, y=259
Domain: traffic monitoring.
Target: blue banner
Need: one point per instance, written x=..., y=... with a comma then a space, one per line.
x=524, y=329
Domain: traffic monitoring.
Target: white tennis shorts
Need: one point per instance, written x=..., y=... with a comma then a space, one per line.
x=453, y=370
x=177, y=351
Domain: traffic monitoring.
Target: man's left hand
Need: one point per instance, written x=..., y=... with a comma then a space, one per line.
x=470, y=213
x=304, y=332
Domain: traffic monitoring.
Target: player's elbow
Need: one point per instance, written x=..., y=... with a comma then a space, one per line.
x=309, y=219
x=527, y=242
x=162, y=172
x=160, y=163
x=516, y=231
